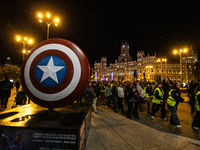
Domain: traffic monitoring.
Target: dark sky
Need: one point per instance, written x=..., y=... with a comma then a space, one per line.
x=98, y=26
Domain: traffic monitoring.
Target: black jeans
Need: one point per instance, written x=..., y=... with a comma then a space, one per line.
x=115, y=102
x=135, y=110
x=156, y=108
x=196, y=122
x=130, y=107
x=120, y=105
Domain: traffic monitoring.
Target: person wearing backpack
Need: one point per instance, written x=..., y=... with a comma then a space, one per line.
x=5, y=92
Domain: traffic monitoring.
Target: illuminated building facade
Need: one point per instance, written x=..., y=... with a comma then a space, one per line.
x=125, y=69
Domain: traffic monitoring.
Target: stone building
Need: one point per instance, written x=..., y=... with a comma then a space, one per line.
x=148, y=67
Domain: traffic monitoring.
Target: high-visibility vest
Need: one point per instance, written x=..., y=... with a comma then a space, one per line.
x=146, y=94
x=170, y=100
x=197, y=102
x=111, y=85
x=160, y=93
x=103, y=88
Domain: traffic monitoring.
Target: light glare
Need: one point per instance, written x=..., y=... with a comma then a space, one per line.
x=40, y=15
x=48, y=15
x=56, y=20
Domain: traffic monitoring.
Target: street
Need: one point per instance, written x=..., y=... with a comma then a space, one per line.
x=184, y=115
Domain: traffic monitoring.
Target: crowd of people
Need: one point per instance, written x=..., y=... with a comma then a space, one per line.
x=136, y=95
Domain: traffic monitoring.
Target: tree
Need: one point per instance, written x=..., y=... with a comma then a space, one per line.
x=12, y=71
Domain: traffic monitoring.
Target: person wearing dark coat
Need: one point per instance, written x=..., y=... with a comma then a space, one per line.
x=17, y=85
x=89, y=93
x=128, y=93
x=5, y=92
x=115, y=96
x=96, y=89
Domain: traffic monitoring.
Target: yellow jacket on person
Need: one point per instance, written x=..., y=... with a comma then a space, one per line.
x=170, y=100
x=197, y=102
x=160, y=93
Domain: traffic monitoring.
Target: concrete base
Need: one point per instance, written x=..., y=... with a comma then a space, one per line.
x=36, y=128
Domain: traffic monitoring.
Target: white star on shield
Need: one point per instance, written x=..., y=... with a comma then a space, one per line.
x=50, y=71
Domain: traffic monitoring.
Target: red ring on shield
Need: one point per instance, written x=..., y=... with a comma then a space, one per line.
x=73, y=91
x=59, y=87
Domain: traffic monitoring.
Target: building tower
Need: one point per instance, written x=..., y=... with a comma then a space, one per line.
x=124, y=56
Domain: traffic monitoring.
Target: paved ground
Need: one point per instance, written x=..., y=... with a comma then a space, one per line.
x=184, y=115
x=111, y=131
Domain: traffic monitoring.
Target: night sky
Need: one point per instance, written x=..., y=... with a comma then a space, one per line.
x=98, y=26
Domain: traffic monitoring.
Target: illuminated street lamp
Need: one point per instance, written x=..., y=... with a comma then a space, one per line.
x=162, y=60
x=181, y=51
x=48, y=20
x=24, y=41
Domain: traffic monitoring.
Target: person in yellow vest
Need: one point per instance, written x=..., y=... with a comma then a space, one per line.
x=196, y=122
x=158, y=101
x=148, y=93
x=174, y=97
x=102, y=90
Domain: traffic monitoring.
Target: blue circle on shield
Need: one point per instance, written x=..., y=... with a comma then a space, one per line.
x=50, y=71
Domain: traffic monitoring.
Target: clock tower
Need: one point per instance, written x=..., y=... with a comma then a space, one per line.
x=124, y=56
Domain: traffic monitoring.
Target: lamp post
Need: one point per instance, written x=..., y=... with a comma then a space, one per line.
x=180, y=54
x=47, y=19
x=24, y=41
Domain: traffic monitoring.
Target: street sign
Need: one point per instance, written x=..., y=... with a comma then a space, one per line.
x=55, y=73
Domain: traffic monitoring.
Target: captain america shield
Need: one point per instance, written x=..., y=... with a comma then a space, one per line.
x=55, y=73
